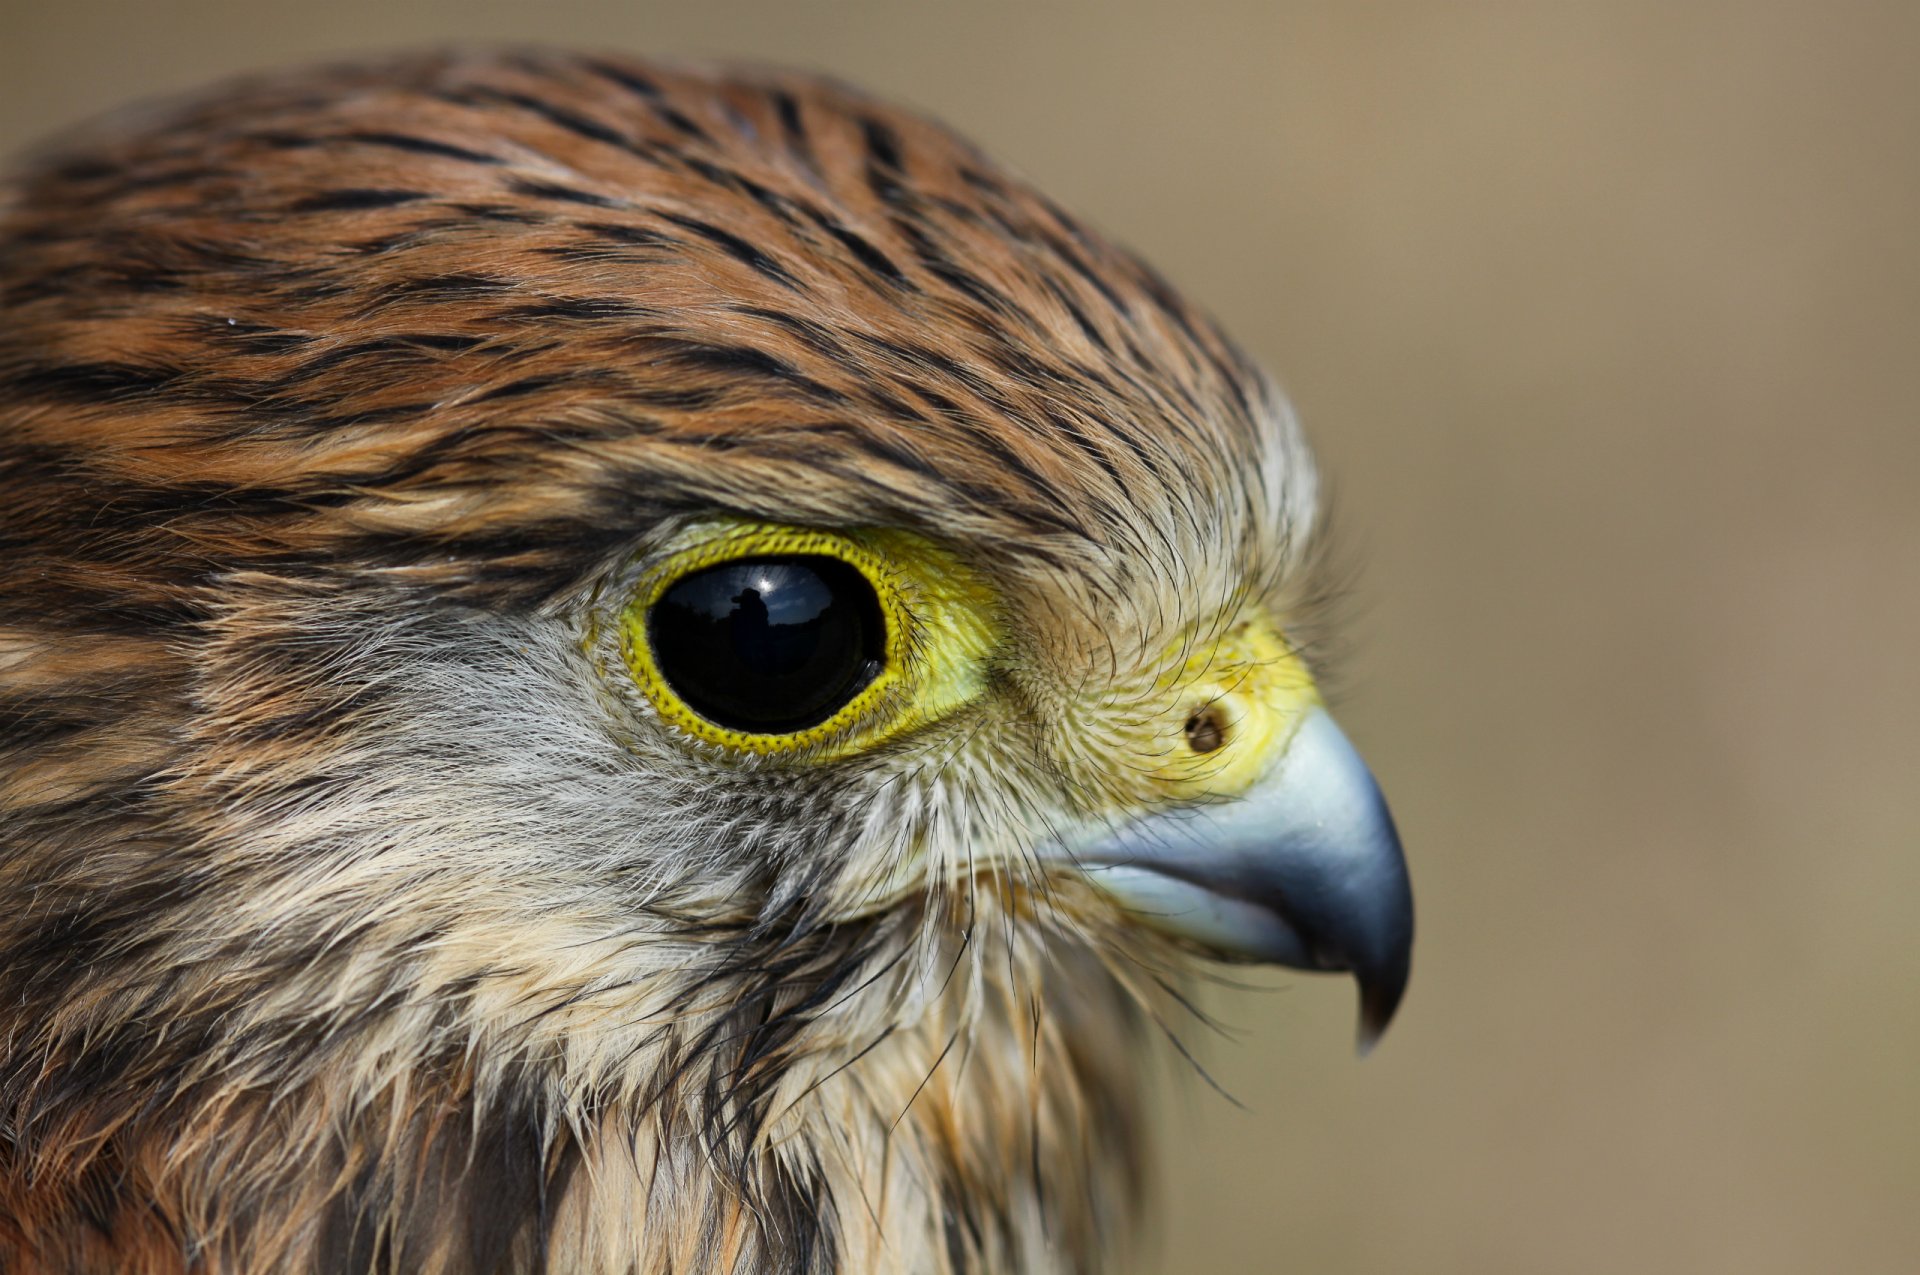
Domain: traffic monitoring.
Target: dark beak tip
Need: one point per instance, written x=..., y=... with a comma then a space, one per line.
x=1380, y=996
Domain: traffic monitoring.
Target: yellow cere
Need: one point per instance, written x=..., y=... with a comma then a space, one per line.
x=1257, y=690
x=940, y=621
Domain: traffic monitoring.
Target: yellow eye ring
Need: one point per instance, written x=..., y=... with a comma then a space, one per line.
x=849, y=726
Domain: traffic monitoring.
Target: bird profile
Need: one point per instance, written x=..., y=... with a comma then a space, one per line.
x=623, y=668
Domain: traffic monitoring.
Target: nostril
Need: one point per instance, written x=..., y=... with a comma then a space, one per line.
x=1207, y=729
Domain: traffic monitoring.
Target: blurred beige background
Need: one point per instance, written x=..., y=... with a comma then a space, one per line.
x=1606, y=317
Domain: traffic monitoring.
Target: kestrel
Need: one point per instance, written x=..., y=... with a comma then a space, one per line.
x=611, y=668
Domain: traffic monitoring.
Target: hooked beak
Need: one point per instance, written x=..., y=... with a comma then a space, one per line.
x=1304, y=870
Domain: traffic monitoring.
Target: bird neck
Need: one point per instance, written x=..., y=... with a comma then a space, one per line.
x=857, y=1101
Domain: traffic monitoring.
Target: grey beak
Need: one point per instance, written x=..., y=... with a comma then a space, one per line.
x=1305, y=870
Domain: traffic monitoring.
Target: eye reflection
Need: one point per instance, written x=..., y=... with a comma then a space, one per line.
x=768, y=645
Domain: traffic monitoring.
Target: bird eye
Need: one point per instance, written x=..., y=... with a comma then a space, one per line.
x=806, y=643
x=768, y=645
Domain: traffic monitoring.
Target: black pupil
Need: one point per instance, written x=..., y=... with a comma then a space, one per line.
x=768, y=645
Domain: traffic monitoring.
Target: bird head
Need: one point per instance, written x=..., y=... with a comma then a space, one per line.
x=650, y=608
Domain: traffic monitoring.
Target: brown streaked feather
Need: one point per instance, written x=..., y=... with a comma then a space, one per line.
x=337, y=329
